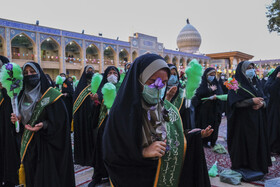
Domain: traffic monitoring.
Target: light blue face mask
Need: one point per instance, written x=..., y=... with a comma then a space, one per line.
x=250, y=73
x=172, y=80
x=150, y=95
x=210, y=78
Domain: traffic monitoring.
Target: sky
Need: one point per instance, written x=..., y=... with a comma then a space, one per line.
x=224, y=25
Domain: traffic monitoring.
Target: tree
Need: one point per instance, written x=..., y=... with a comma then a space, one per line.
x=273, y=16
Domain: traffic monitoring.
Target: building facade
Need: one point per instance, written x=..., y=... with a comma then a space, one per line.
x=59, y=51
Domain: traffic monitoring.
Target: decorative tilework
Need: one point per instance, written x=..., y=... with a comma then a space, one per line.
x=88, y=43
x=31, y=35
x=107, y=45
x=38, y=49
x=79, y=42
x=8, y=42
x=45, y=36
x=126, y=48
x=29, y=27
x=2, y=32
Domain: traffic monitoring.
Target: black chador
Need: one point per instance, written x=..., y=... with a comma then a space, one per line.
x=247, y=127
x=273, y=88
x=83, y=117
x=123, y=137
x=47, y=158
x=208, y=112
x=9, y=140
x=99, y=123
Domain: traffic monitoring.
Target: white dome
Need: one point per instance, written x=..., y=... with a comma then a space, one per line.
x=189, y=39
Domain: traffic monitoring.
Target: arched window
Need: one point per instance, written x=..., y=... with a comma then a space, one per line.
x=1, y=46
x=92, y=54
x=22, y=47
x=73, y=53
x=109, y=56
x=123, y=57
x=49, y=50
x=134, y=55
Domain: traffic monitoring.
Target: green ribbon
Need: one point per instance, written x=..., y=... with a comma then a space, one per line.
x=170, y=165
x=49, y=97
x=80, y=99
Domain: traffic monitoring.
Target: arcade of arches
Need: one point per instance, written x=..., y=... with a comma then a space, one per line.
x=24, y=49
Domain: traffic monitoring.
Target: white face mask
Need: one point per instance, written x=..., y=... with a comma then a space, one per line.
x=112, y=79
x=63, y=78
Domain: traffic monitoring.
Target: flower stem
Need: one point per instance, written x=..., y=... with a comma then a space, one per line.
x=246, y=90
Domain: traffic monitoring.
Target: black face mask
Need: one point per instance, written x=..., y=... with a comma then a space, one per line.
x=31, y=80
x=89, y=75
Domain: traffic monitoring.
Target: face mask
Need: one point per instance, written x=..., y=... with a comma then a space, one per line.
x=210, y=78
x=250, y=73
x=172, y=80
x=150, y=95
x=89, y=75
x=31, y=80
x=222, y=77
x=266, y=78
x=112, y=79
x=63, y=78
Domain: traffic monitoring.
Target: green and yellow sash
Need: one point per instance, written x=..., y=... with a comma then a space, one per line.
x=1, y=98
x=81, y=98
x=170, y=165
x=103, y=114
x=49, y=97
x=178, y=102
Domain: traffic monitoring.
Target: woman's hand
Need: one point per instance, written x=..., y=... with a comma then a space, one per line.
x=171, y=92
x=206, y=132
x=213, y=87
x=156, y=149
x=14, y=118
x=278, y=75
x=257, y=107
x=258, y=100
x=93, y=97
x=36, y=128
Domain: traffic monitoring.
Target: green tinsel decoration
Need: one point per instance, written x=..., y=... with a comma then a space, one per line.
x=95, y=82
x=109, y=94
x=74, y=78
x=76, y=83
x=59, y=80
x=193, y=73
x=11, y=78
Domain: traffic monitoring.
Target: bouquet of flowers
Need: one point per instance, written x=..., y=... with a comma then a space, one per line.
x=232, y=84
x=11, y=78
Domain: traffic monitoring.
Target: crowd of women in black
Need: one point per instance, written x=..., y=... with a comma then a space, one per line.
x=151, y=136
